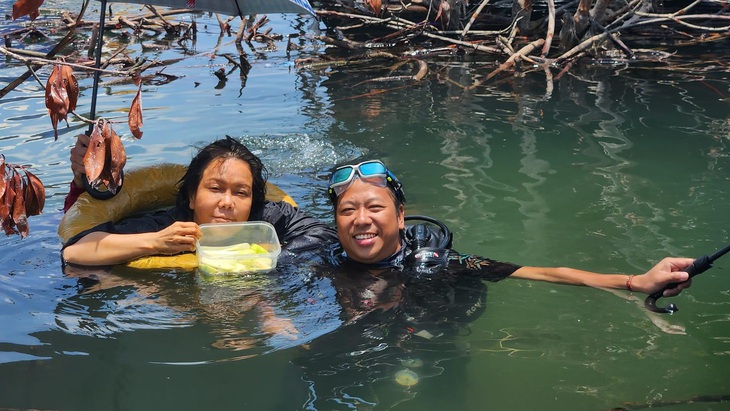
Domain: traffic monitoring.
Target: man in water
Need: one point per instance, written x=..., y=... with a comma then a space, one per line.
x=405, y=296
x=370, y=218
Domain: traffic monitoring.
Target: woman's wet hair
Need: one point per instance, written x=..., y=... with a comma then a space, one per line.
x=223, y=149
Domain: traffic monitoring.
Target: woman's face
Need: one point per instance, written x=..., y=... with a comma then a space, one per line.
x=368, y=224
x=224, y=193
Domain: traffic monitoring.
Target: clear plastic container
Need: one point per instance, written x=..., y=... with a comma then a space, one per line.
x=245, y=247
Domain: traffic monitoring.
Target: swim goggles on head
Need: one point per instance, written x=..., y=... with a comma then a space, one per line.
x=372, y=172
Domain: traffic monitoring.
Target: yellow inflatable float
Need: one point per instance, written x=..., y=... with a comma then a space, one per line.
x=145, y=189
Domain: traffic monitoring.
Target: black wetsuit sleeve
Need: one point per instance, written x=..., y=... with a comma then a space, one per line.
x=135, y=225
x=297, y=231
x=481, y=267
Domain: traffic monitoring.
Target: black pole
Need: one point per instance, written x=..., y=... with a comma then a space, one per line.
x=99, y=195
x=699, y=266
x=97, y=64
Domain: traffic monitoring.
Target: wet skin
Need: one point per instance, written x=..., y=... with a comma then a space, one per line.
x=368, y=223
x=224, y=193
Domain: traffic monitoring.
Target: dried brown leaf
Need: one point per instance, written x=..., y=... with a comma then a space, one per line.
x=72, y=87
x=26, y=7
x=2, y=178
x=6, y=207
x=35, y=195
x=440, y=10
x=106, y=179
x=57, y=99
x=22, y=197
x=8, y=225
x=106, y=176
x=95, y=156
x=117, y=159
x=135, y=114
x=21, y=220
x=18, y=208
x=375, y=6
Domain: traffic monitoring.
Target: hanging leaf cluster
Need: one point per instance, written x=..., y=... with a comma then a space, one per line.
x=21, y=195
x=27, y=8
x=62, y=93
x=105, y=158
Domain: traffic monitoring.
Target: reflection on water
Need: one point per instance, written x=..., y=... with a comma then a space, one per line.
x=607, y=171
x=253, y=313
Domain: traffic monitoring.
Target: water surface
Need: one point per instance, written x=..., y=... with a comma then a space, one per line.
x=607, y=169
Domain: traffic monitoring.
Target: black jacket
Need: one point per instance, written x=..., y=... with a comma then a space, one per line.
x=297, y=231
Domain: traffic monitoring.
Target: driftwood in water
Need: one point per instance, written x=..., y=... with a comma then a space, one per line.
x=150, y=25
x=603, y=31
x=568, y=31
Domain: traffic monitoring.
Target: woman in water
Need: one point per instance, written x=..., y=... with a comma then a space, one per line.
x=225, y=182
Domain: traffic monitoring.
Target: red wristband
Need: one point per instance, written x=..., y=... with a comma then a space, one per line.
x=628, y=283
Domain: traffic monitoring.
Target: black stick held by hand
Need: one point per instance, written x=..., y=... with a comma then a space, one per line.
x=699, y=266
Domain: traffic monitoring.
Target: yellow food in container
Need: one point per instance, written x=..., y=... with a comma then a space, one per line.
x=246, y=247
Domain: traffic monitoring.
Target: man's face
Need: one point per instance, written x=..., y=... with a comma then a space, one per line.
x=368, y=223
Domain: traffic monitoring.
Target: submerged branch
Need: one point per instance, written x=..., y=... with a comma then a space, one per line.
x=593, y=29
x=39, y=61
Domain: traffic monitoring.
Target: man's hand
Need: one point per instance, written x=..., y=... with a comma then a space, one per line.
x=667, y=271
